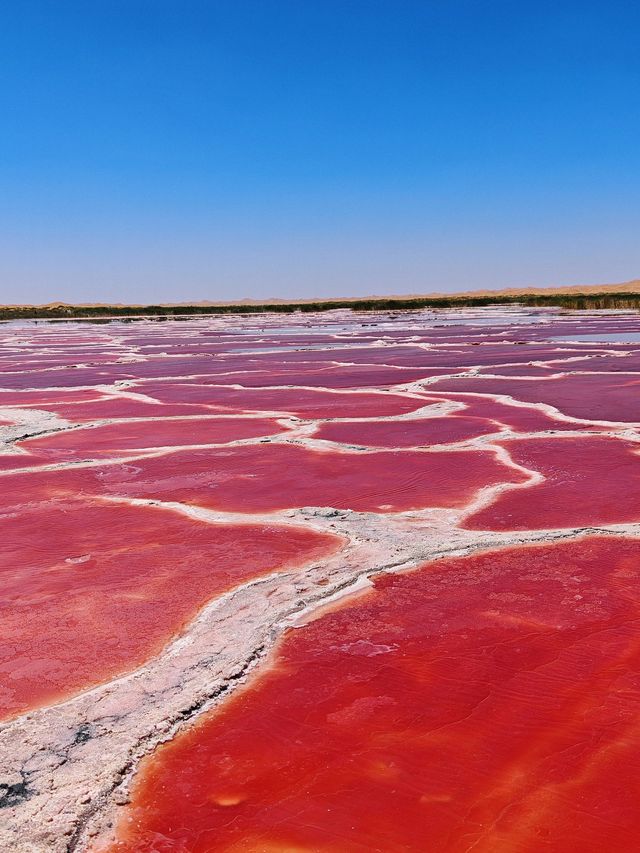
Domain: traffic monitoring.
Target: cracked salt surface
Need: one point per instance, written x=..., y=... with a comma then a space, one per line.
x=84, y=763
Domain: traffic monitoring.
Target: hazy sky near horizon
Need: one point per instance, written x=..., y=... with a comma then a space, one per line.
x=156, y=150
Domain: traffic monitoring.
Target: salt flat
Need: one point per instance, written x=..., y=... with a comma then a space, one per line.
x=340, y=581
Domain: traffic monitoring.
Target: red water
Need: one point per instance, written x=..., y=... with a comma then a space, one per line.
x=302, y=402
x=407, y=433
x=111, y=438
x=483, y=703
x=38, y=398
x=600, y=397
x=263, y=478
x=330, y=377
x=587, y=481
x=121, y=408
x=523, y=418
x=487, y=703
x=91, y=590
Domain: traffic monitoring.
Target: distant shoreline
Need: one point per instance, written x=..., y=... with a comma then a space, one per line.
x=574, y=300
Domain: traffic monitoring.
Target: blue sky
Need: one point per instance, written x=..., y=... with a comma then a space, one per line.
x=174, y=151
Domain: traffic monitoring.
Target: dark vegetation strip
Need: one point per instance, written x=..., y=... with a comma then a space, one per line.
x=574, y=301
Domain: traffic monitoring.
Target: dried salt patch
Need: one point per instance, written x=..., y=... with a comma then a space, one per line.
x=366, y=649
x=122, y=472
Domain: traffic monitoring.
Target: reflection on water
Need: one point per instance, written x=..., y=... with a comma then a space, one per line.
x=620, y=337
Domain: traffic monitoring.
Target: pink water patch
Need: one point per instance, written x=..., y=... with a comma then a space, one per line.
x=301, y=402
x=484, y=703
x=111, y=438
x=121, y=407
x=263, y=478
x=524, y=418
x=597, y=397
x=587, y=481
x=407, y=433
x=89, y=590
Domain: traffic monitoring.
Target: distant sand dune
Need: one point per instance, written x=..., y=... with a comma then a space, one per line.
x=626, y=287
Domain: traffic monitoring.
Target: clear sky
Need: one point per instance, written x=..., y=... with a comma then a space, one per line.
x=197, y=149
